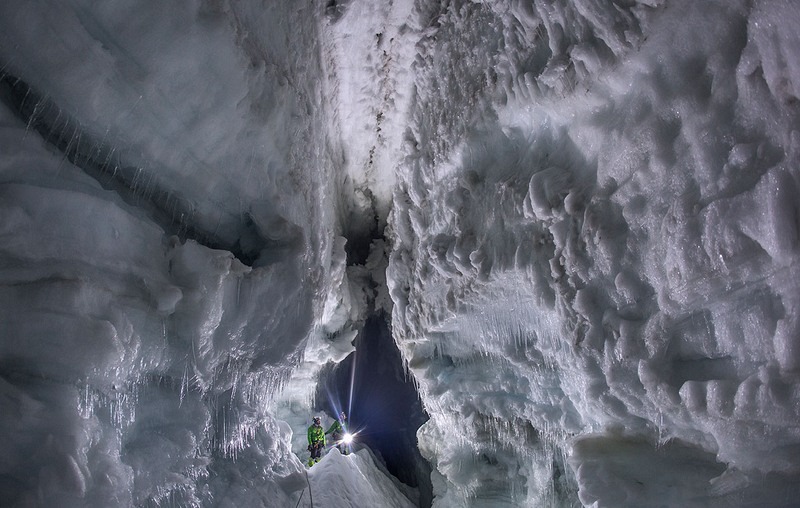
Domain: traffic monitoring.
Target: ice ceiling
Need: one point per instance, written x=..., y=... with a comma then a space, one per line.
x=581, y=218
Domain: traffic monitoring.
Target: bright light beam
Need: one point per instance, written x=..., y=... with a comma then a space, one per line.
x=352, y=383
x=347, y=439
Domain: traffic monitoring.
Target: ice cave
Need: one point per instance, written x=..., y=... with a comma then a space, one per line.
x=543, y=253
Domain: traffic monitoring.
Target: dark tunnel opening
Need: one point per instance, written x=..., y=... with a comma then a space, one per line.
x=384, y=406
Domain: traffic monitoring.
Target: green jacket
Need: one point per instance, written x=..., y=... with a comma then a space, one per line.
x=315, y=435
x=335, y=428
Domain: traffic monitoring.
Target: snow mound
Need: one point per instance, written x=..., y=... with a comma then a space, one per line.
x=356, y=479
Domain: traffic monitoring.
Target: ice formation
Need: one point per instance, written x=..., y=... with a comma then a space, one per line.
x=589, y=210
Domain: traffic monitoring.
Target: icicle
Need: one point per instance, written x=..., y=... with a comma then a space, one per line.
x=184, y=383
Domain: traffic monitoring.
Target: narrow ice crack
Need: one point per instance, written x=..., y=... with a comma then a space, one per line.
x=135, y=185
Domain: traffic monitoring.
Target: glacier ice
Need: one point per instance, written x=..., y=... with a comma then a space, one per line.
x=582, y=217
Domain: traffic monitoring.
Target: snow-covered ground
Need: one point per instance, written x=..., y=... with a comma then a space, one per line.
x=591, y=218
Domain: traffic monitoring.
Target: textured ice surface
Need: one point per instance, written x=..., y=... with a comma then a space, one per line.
x=592, y=227
x=358, y=478
x=596, y=240
x=167, y=250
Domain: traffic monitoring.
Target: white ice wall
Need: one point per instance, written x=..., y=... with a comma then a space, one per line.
x=593, y=240
x=595, y=245
x=137, y=367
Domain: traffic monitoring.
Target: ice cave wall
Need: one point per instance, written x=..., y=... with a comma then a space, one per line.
x=593, y=237
x=168, y=249
x=595, y=244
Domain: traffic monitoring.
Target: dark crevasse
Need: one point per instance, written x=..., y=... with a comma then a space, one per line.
x=138, y=187
x=382, y=405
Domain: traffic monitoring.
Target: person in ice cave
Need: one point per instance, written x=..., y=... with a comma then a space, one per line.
x=338, y=431
x=316, y=441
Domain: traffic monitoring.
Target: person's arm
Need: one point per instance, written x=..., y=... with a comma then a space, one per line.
x=310, y=442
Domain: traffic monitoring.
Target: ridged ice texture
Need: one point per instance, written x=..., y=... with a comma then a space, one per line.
x=138, y=368
x=595, y=252
x=594, y=238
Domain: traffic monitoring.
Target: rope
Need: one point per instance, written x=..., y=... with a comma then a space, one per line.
x=300, y=498
x=310, y=495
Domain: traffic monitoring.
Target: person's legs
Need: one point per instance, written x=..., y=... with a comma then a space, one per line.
x=315, y=450
x=340, y=444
